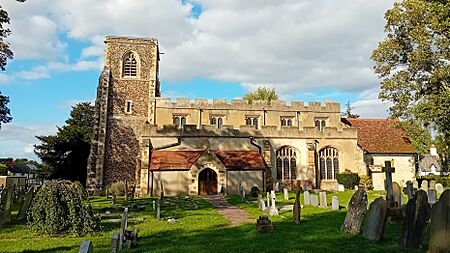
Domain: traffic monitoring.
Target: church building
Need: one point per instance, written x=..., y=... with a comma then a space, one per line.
x=201, y=146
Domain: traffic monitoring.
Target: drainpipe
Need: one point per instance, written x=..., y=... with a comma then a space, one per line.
x=253, y=142
x=151, y=149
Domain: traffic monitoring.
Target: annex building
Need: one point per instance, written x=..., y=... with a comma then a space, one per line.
x=201, y=146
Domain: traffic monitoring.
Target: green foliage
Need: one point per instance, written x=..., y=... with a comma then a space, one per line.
x=3, y=169
x=445, y=181
x=117, y=188
x=366, y=182
x=254, y=192
x=262, y=93
x=64, y=155
x=349, y=112
x=5, y=113
x=348, y=179
x=62, y=207
x=420, y=137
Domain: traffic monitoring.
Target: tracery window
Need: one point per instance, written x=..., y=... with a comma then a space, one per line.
x=320, y=124
x=328, y=163
x=129, y=66
x=287, y=163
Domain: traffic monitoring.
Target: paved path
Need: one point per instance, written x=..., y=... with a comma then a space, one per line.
x=235, y=215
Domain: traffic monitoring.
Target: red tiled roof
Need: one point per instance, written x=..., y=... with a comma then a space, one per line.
x=381, y=136
x=241, y=160
x=174, y=160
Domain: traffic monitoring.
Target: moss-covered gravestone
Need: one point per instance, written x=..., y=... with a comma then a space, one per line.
x=355, y=214
x=440, y=225
x=26, y=204
x=376, y=220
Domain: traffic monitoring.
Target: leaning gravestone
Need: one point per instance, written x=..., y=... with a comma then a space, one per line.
x=433, y=184
x=415, y=222
x=424, y=185
x=439, y=188
x=286, y=194
x=314, y=200
x=8, y=205
x=86, y=247
x=355, y=214
x=297, y=208
x=432, y=196
x=334, y=203
x=397, y=192
x=26, y=204
x=323, y=199
x=306, y=198
x=376, y=220
x=123, y=227
x=440, y=225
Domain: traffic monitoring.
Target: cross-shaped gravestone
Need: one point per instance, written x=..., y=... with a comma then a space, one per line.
x=388, y=169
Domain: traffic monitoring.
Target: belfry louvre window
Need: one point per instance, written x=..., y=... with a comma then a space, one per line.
x=129, y=65
x=287, y=163
x=328, y=163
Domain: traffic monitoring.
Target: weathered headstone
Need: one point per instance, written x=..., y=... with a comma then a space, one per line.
x=314, y=200
x=355, y=214
x=432, y=196
x=415, y=185
x=297, y=208
x=424, y=185
x=263, y=224
x=123, y=227
x=376, y=220
x=276, y=186
x=26, y=204
x=273, y=211
x=306, y=198
x=433, y=184
x=268, y=199
x=86, y=247
x=334, y=203
x=286, y=194
x=115, y=243
x=262, y=205
x=8, y=205
x=323, y=199
x=340, y=188
x=388, y=186
x=415, y=222
x=158, y=209
x=258, y=201
x=409, y=190
x=440, y=225
x=397, y=193
x=439, y=188
x=154, y=205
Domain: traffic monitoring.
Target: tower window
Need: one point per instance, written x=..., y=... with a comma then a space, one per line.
x=252, y=121
x=129, y=65
x=179, y=121
x=320, y=124
x=129, y=107
x=217, y=121
x=286, y=121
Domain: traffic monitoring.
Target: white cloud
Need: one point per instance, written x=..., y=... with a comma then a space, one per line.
x=369, y=106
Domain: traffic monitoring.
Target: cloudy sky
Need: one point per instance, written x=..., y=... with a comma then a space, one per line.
x=310, y=50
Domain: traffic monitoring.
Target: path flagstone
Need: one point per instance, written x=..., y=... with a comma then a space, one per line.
x=232, y=213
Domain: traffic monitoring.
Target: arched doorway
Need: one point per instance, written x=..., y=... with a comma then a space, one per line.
x=207, y=182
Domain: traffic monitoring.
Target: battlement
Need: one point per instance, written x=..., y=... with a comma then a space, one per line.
x=187, y=103
x=130, y=39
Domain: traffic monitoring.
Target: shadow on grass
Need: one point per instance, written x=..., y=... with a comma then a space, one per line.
x=57, y=249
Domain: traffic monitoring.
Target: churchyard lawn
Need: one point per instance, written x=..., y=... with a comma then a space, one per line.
x=199, y=228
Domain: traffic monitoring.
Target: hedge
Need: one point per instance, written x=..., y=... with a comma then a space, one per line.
x=348, y=179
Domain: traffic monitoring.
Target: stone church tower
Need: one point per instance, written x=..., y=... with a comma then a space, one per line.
x=126, y=95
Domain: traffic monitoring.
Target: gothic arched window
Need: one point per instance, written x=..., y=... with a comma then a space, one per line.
x=287, y=163
x=329, y=163
x=129, y=65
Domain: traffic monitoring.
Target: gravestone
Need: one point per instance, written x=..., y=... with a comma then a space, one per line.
x=432, y=196
x=340, y=188
x=323, y=199
x=86, y=247
x=356, y=188
x=376, y=220
x=409, y=190
x=113, y=199
x=388, y=186
x=439, y=188
x=158, y=209
x=115, y=243
x=355, y=214
x=268, y=199
x=432, y=184
x=306, y=198
x=314, y=200
x=276, y=186
x=8, y=205
x=415, y=185
x=123, y=227
x=262, y=205
x=415, y=222
x=397, y=193
x=258, y=201
x=334, y=203
x=297, y=208
x=424, y=185
x=273, y=211
x=26, y=204
x=154, y=205
x=440, y=225
x=286, y=194
x=272, y=195
x=263, y=224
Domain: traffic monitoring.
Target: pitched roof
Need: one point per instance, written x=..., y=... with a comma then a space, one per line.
x=23, y=168
x=381, y=136
x=241, y=160
x=428, y=161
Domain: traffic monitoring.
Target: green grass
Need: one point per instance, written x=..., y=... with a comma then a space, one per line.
x=199, y=228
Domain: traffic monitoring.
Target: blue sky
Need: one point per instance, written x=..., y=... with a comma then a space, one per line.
x=309, y=50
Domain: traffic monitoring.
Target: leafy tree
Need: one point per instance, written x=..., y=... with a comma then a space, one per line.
x=5, y=114
x=3, y=169
x=64, y=155
x=349, y=112
x=262, y=93
x=414, y=64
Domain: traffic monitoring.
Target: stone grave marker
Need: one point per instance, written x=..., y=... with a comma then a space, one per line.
x=397, y=193
x=424, y=185
x=86, y=247
x=276, y=186
x=8, y=205
x=297, y=208
x=323, y=199
x=26, y=204
x=440, y=225
x=286, y=194
x=306, y=198
x=113, y=199
x=388, y=186
x=356, y=188
x=415, y=222
x=415, y=185
x=376, y=220
x=262, y=205
x=263, y=224
x=340, y=188
x=258, y=201
x=439, y=188
x=314, y=200
x=154, y=205
x=432, y=196
x=115, y=243
x=433, y=184
x=268, y=199
x=409, y=190
x=273, y=211
x=334, y=203
x=355, y=212
x=123, y=227
x=158, y=209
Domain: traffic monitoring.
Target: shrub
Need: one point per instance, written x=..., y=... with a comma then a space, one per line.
x=254, y=192
x=117, y=188
x=445, y=181
x=348, y=179
x=366, y=182
x=62, y=207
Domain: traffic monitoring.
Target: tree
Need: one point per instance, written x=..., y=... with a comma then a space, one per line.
x=414, y=64
x=349, y=112
x=5, y=114
x=262, y=93
x=64, y=155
